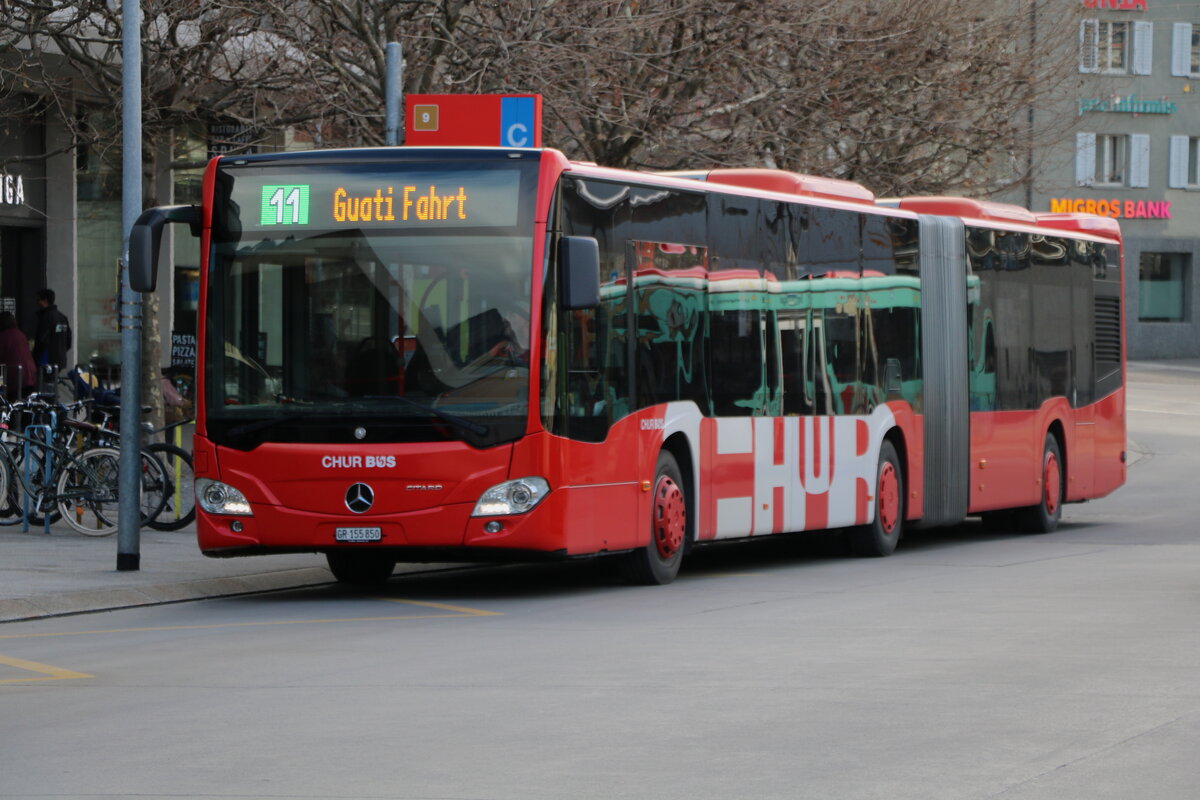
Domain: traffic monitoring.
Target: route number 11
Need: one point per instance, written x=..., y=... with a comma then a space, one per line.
x=284, y=205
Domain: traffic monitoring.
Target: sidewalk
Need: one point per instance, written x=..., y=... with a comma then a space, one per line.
x=45, y=575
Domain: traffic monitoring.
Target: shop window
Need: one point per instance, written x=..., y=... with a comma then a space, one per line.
x=1164, y=281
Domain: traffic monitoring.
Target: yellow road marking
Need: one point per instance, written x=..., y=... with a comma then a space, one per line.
x=470, y=612
x=51, y=673
x=458, y=612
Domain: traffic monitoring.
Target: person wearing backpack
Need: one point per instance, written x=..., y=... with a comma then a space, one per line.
x=51, y=335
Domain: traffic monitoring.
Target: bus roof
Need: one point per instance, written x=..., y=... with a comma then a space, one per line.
x=784, y=182
x=987, y=210
x=1082, y=223
x=990, y=211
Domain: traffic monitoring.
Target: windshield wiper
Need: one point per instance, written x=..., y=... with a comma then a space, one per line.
x=465, y=424
x=263, y=424
x=462, y=423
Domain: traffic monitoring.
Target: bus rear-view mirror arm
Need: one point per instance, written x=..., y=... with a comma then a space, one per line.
x=579, y=272
x=145, y=238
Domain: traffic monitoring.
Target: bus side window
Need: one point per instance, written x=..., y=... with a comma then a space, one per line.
x=792, y=325
x=735, y=338
x=820, y=389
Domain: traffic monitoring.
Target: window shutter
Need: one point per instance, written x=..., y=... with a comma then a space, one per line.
x=1177, y=174
x=1139, y=160
x=1181, y=49
x=1089, y=45
x=1085, y=159
x=1143, y=48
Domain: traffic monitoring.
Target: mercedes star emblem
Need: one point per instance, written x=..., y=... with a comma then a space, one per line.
x=360, y=433
x=359, y=498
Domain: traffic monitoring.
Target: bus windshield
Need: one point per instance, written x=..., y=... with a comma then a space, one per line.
x=370, y=303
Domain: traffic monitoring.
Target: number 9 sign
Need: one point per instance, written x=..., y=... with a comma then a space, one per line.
x=425, y=118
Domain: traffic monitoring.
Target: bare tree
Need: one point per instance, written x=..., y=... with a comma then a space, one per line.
x=904, y=96
x=203, y=61
x=921, y=97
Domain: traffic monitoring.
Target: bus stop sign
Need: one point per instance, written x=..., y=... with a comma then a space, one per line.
x=491, y=120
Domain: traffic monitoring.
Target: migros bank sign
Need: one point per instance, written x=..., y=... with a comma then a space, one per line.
x=1116, y=5
x=1117, y=209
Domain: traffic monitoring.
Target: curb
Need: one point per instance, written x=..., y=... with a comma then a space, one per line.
x=85, y=602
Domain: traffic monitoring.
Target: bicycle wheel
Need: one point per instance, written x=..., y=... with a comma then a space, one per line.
x=154, y=486
x=10, y=500
x=9, y=512
x=88, y=490
x=179, y=506
x=26, y=473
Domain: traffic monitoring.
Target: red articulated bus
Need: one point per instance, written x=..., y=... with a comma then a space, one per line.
x=423, y=354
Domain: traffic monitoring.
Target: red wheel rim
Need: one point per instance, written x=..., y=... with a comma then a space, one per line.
x=1051, y=483
x=888, y=497
x=670, y=517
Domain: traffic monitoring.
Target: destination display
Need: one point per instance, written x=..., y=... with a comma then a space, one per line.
x=332, y=200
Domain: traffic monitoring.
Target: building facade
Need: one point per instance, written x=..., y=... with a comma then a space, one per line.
x=1133, y=153
x=61, y=228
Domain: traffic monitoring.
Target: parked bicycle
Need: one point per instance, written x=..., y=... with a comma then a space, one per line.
x=47, y=470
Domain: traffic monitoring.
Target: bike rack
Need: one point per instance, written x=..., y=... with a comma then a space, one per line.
x=44, y=433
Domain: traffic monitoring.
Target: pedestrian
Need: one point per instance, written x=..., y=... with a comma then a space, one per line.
x=20, y=373
x=51, y=336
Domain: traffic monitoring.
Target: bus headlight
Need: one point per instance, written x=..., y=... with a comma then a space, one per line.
x=511, y=497
x=221, y=498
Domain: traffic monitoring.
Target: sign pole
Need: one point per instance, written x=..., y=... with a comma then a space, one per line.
x=130, y=308
x=394, y=92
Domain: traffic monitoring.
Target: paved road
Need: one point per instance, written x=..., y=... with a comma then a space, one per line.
x=969, y=665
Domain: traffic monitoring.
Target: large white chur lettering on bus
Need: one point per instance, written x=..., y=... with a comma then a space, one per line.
x=775, y=474
x=735, y=446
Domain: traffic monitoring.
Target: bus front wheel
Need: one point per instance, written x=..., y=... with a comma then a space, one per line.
x=658, y=563
x=359, y=567
x=880, y=536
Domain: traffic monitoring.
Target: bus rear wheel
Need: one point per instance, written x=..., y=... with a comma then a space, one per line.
x=659, y=562
x=1043, y=517
x=360, y=567
x=882, y=534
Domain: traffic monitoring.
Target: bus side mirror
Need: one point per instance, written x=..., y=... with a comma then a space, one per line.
x=579, y=272
x=145, y=238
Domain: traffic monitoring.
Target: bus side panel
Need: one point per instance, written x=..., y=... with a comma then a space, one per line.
x=572, y=520
x=1081, y=463
x=1002, y=459
x=762, y=475
x=912, y=430
x=1006, y=454
x=594, y=486
x=1109, y=465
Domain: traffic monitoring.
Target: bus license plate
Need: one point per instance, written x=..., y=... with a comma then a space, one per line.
x=358, y=534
